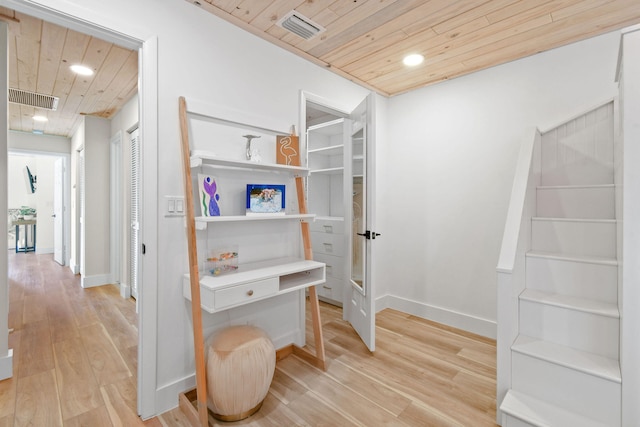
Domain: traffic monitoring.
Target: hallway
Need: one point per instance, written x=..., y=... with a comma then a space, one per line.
x=75, y=350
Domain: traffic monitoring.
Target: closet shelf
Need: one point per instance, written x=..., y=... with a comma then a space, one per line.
x=328, y=151
x=199, y=158
x=328, y=171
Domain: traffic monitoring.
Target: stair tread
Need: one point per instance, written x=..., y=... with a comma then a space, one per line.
x=573, y=258
x=589, y=363
x=538, y=413
x=574, y=187
x=561, y=219
x=571, y=302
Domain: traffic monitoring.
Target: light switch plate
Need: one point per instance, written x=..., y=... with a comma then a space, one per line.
x=174, y=206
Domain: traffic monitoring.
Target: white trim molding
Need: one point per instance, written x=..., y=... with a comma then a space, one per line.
x=95, y=280
x=466, y=322
x=6, y=365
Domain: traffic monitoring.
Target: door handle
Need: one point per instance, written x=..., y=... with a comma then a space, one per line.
x=369, y=235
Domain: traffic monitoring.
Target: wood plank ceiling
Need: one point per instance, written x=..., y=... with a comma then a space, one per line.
x=365, y=40
x=40, y=54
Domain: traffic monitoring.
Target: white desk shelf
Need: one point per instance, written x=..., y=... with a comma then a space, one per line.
x=199, y=158
x=261, y=217
x=254, y=282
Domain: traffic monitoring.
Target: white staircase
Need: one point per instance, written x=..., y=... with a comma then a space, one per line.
x=565, y=368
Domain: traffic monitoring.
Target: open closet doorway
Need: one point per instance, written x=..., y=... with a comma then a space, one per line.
x=340, y=190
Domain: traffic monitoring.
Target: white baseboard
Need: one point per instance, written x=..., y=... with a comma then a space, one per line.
x=125, y=291
x=167, y=396
x=6, y=365
x=40, y=251
x=75, y=269
x=97, y=280
x=466, y=322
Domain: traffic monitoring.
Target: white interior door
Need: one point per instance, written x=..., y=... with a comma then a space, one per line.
x=359, y=296
x=58, y=211
x=81, y=183
x=134, y=241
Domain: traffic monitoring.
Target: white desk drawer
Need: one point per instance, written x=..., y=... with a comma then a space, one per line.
x=331, y=289
x=326, y=243
x=244, y=293
x=330, y=226
x=334, y=265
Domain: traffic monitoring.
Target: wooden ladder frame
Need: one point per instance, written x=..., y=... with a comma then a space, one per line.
x=202, y=416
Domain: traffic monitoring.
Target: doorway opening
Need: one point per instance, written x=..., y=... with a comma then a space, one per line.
x=46, y=202
x=147, y=51
x=340, y=189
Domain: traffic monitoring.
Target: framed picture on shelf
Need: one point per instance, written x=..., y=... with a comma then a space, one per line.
x=287, y=150
x=208, y=196
x=263, y=199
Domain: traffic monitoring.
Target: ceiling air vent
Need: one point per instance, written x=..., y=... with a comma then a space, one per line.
x=33, y=99
x=300, y=25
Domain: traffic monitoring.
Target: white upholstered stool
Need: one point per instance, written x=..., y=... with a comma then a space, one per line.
x=240, y=364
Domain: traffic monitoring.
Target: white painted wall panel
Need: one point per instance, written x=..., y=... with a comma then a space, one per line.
x=630, y=291
x=590, y=332
x=574, y=237
x=580, y=151
x=576, y=202
x=595, y=281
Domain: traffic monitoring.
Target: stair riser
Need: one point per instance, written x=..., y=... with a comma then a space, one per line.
x=593, y=281
x=584, y=172
x=583, y=331
x=574, y=237
x=590, y=396
x=580, y=202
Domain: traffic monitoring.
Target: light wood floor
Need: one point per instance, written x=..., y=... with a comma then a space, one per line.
x=75, y=365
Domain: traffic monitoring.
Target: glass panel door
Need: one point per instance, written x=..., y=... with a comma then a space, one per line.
x=359, y=211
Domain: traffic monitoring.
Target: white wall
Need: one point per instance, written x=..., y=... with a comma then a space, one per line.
x=93, y=136
x=629, y=295
x=460, y=140
x=24, y=141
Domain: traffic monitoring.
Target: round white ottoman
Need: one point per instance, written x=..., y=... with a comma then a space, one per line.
x=240, y=364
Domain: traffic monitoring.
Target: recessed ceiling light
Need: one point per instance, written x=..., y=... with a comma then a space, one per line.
x=413, y=60
x=82, y=70
x=40, y=118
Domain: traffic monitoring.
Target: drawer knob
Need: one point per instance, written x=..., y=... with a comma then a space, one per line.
x=250, y=292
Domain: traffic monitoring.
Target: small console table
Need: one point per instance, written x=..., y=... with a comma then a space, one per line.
x=28, y=223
